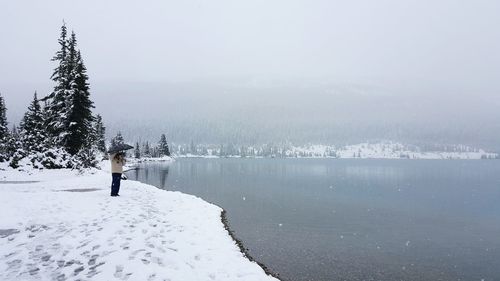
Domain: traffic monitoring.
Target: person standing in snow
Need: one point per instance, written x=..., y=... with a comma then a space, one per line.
x=117, y=163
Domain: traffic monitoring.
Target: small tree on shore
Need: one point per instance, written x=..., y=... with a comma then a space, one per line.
x=100, y=132
x=137, y=151
x=147, y=150
x=192, y=148
x=163, y=149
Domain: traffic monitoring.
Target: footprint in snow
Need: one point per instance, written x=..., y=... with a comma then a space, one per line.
x=92, y=260
x=158, y=261
x=34, y=271
x=45, y=257
x=78, y=270
x=14, y=264
x=118, y=271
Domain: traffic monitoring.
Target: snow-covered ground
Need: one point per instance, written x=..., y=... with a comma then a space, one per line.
x=67, y=227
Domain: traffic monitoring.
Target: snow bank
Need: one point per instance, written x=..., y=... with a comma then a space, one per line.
x=27, y=173
x=69, y=228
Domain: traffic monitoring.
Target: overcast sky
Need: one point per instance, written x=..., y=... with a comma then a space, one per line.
x=411, y=50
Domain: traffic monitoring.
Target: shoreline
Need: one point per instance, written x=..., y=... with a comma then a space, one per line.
x=223, y=217
x=242, y=248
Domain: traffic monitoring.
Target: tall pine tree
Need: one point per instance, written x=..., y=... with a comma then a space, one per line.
x=163, y=146
x=57, y=104
x=79, y=120
x=69, y=108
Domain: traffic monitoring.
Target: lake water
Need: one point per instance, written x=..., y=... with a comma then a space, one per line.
x=341, y=219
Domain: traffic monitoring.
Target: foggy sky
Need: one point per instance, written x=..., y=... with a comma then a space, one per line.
x=328, y=71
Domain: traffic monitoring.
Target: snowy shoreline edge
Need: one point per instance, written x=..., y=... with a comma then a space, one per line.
x=223, y=217
x=204, y=246
x=241, y=246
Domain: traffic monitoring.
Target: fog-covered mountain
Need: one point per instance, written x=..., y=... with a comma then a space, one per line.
x=254, y=112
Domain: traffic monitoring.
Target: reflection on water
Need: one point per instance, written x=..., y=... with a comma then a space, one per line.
x=327, y=219
x=159, y=174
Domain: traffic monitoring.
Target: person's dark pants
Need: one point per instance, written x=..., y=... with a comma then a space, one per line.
x=115, y=185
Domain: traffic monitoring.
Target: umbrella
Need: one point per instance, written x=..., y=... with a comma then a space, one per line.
x=119, y=147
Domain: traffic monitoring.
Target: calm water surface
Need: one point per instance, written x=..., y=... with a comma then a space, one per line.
x=333, y=219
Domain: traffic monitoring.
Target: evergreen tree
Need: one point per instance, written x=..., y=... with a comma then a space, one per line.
x=4, y=132
x=221, y=151
x=33, y=142
x=192, y=148
x=15, y=151
x=57, y=101
x=118, y=139
x=69, y=109
x=32, y=132
x=147, y=151
x=14, y=132
x=100, y=132
x=79, y=120
x=163, y=149
x=137, y=151
x=87, y=154
x=71, y=59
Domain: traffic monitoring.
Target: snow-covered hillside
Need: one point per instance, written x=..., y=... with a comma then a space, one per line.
x=397, y=150
x=382, y=150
